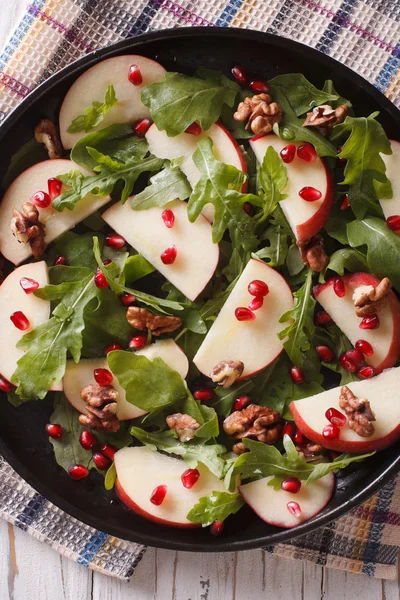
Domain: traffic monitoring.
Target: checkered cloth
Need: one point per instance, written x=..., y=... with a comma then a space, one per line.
x=363, y=34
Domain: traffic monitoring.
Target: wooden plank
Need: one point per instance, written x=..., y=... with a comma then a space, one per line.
x=349, y=586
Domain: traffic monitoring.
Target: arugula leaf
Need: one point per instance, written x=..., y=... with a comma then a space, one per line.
x=215, y=507
x=110, y=478
x=330, y=89
x=136, y=267
x=275, y=252
x=332, y=336
x=179, y=100
x=226, y=397
x=77, y=249
x=347, y=258
x=166, y=186
x=302, y=94
x=272, y=180
x=93, y=115
x=340, y=462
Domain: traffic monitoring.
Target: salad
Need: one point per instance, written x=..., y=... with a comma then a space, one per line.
x=201, y=274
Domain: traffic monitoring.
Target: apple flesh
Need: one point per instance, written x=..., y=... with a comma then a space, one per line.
x=92, y=85
x=271, y=505
x=256, y=342
x=382, y=392
x=305, y=218
x=385, y=340
x=23, y=188
x=79, y=375
x=145, y=230
x=391, y=206
x=140, y=471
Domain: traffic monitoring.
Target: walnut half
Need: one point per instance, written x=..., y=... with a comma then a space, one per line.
x=47, y=134
x=101, y=406
x=260, y=113
x=369, y=300
x=142, y=319
x=325, y=117
x=313, y=254
x=183, y=425
x=255, y=422
x=27, y=228
x=226, y=372
x=358, y=412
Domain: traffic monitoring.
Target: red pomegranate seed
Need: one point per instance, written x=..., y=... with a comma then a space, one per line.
x=356, y=356
x=108, y=450
x=288, y=153
x=297, y=375
x=325, y=353
x=20, y=321
x=289, y=429
x=168, y=257
x=141, y=128
x=113, y=240
x=87, y=440
x=294, y=508
x=310, y=194
x=189, y=478
x=168, y=217
x=194, y=129
x=347, y=364
x=54, y=186
x=127, y=299
x=217, y=528
x=113, y=347
x=54, y=430
x=60, y=260
x=5, y=385
x=103, y=377
x=256, y=303
x=393, y=222
x=28, y=285
x=41, y=199
x=307, y=152
x=299, y=438
x=366, y=372
x=101, y=462
x=344, y=205
x=240, y=75
x=335, y=417
x=204, y=394
x=331, y=432
x=138, y=342
x=244, y=314
x=135, y=75
x=100, y=280
x=258, y=288
x=259, y=87
x=340, y=162
x=364, y=347
x=248, y=209
x=339, y=288
x=291, y=484
x=158, y=495
x=241, y=402
x=370, y=322
x=78, y=472
x=322, y=318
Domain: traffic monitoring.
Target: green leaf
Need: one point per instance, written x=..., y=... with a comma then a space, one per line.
x=77, y=249
x=236, y=128
x=302, y=94
x=347, y=259
x=272, y=180
x=93, y=115
x=330, y=89
x=210, y=427
x=179, y=100
x=166, y=186
x=26, y=156
x=110, y=478
x=226, y=397
x=136, y=267
x=341, y=462
x=215, y=507
x=275, y=252
x=333, y=337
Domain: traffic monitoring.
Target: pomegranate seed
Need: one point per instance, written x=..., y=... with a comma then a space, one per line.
x=288, y=153
x=241, y=402
x=307, y=152
x=194, y=129
x=258, y=288
x=138, y=342
x=340, y=162
x=101, y=462
x=310, y=194
x=168, y=257
x=393, y=222
x=135, y=75
x=54, y=186
x=244, y=314
x=113, y=347
x=141, y=128
x=294, y=508
x=60, y=260
x=109, y=451
x=325, y=353
x=100, y=280
x=5, y=385
x=364, y=347
x=289, y=429
x=322, y=318
x=106, y=262
x=78, y=472
x=297, y=375
x=291, y=484
x=204, y=394
x=356, y=356
x=28, y=285
x=41, y=199
x=127, y=299
x=189, y=478
x=158, y=495
x=370, y=322
x=335, y=417
x=256, y=303
x=248, y=209
x=240, y=75
x=217, y=528
x=344, y=205
x=103, y=377
x=168, y=217
x=331, y=432
x=87, y=440
x=259, y=87
x=339, y=288
x=366, y=372
x=347, y=364
x=113, y=240
x=299, y=438
x=20, y=321
x=54, y=431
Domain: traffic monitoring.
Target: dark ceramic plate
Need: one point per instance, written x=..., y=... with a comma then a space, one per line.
x=23, y=441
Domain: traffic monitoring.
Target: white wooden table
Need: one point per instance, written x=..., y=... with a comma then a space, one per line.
x=32, y=571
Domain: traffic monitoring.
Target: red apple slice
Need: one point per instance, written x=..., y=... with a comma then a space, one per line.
x=23, y=188
x=305, y=218
x=92, y=85
x=271, y=505
x=385, y=340
x=197, y=255
x=79, y=375
x=391, y=207
x=255, y=342
x=140, y=471
x=383, y=394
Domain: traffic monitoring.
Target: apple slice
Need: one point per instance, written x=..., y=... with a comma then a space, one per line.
x=305, y=218
x=391, y=207
x=140, y=471
x=385, y=340
x=271, y=505
x=23, y=188
x=382, y=392
x=92, y=85
x=255, y=342
x=197, y=255
x=79, y=375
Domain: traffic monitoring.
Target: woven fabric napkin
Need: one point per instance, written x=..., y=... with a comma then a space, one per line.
x=52, y=33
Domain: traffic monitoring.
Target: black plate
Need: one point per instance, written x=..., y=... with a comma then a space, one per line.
x=22, y=438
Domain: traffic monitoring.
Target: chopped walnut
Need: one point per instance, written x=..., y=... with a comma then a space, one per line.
x=309, y=450
x=260, y=112
x=255, y=422
x=101, y=406
x=359, y=413
x=46, y=133
x=141, y=318
x=27, y=228
x=369, y=300
x=325, y=117
x=184, y=425
x=226, y=372
x=239, y=448
x=313, y=253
